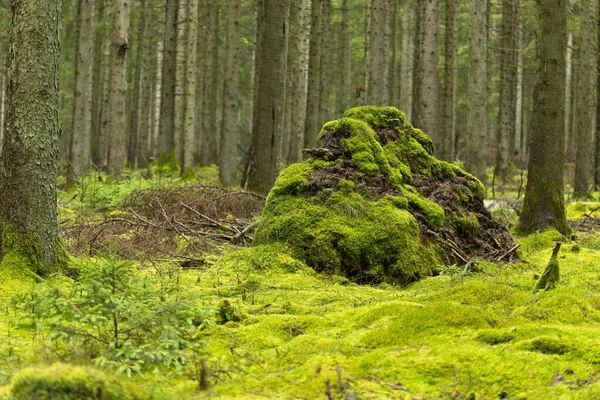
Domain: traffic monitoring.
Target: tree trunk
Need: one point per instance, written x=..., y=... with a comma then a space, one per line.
x=183, y=23
x=450, y=80
x=166, y=133
x=518, y=122
x=407, y=62
x=189, y=126
x=29, y=163
x=209, y=132
x=228, y=161
x=266, y=148
x=586, y=110
x=393, y=64
x=97, y=84
x=568, y=93
x=297, y=74
x=377, y=72
x=118, y=91
x=544, y=202
x=104, y=111
x=325, y=69
x=2, y=102
x=427, y=73
x=475, y=161
x=312, y=128
x=134, y=121
x=343, y=101
x=200, y=78
x=157, y=100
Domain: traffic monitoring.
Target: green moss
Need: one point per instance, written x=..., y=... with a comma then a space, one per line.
x=467, y=223
x=167, y=163
x=292, y=180
x=345, y=186
x=541, y=240
x=189, y=175
x=546, y=345
x=67, y=382
x=432, y=211
x=579, y=210
x=495, y=336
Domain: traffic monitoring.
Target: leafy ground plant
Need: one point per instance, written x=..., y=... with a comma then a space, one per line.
x=118, y=318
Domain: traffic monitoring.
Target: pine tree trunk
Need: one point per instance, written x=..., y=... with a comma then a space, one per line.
x=166, y=131
x=29, y=163
x=200, y=78
x=427, y=73
x=104, y=111
x=393, y=68
x=312, y=127
x=183, y=23
x=134, y=121
x=518, y=122
x=79, y=154
x=97, y=81
x=475, y=160
x=568, y=93
x=228, y=161
x=343, y=101
x=325, y=68
x=118, y=91
x=266, y=147
x=450, y=80
x=2, y=102
x=544, y=201
x=188, y=139
x=209, y=132
x=298, y=69
x=157, y=99
x=407, y=62
x=377, y=72
x=586, y=110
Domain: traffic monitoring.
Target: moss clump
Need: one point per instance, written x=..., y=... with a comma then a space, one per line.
x=579, y=210
x=547, y=345
x=467, y=224
x=551, y=275
x=167, y=164
x=495, y=336
x=67, y=382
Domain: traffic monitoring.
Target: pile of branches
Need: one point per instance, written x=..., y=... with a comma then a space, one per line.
x=169, y=223
x=586, y=224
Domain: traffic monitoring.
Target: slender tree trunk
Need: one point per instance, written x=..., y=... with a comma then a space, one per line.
x=312, y=127
x=343, y=101
x=79, y=154
x=2, y=103
x=377, y=72
x=118, y=91
x=157, y=101
x=200, y=78
x=544, y=202
x=407, y=62
x=228, y=161
x=475, y=161
x=568, y=92
x=209, y=132
x=586, y=110
x=298, y=69
x=166, y=133
x=260, y=7
x=104, y=111
x=183, y=23
x=393, y=68
x=134, y=121
x=427, y=73
x=97, y=81
x=188, y=138
x=518, y=122
x=450, y=80
x=325, y=69
x=266, y=148
x=29, y=163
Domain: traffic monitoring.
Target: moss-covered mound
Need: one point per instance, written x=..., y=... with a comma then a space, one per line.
x=375, y=204
x=67, y=382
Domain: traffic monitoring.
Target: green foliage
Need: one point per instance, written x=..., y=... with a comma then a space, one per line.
x=467, y=224
x=579, y=210
x=167, y=164
x=117, y=318
x=67, y=382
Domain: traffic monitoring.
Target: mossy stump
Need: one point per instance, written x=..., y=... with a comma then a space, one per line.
x=375, y=204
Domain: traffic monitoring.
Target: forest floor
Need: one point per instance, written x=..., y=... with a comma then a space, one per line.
x=273, y=328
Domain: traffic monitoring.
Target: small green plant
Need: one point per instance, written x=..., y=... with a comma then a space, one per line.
x=118, y=318
x=453, y=271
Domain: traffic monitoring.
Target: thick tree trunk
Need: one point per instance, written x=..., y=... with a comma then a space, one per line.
x=82, y=106
x=407, y=62
x=297, y=68
x=544, y=203
x=427, y=68
x=475, y=160
x=377, y=72
x=450, y=81
x=312, y=128
x=29, y=163
x=189, y=128
x=266, y=147
x=228, y=161
x=166, y=130
x=118, y=91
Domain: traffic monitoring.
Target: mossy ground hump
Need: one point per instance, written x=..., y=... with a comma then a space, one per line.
x=375, y=204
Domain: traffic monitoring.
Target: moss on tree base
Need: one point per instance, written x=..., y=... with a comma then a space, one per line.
x=376, y=205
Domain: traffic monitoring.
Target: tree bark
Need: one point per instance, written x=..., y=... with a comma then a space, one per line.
x=343, y=101
x=3, y=80
x=312, y=128
x=377, y=71
x=427, y=72
x=228, y=161
x=97, y=84
x=183, y=23
x=189, y=128
x=450, y=80
x=298, y=68
x=209, y=148
x=118, y=91
x=475, y=161
x=393, y=64
x=166, y=133
x=325, y=68
x=544, y=202
x=266, y=148
x=29, y=163
x=407, y=62
x=586, y=110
